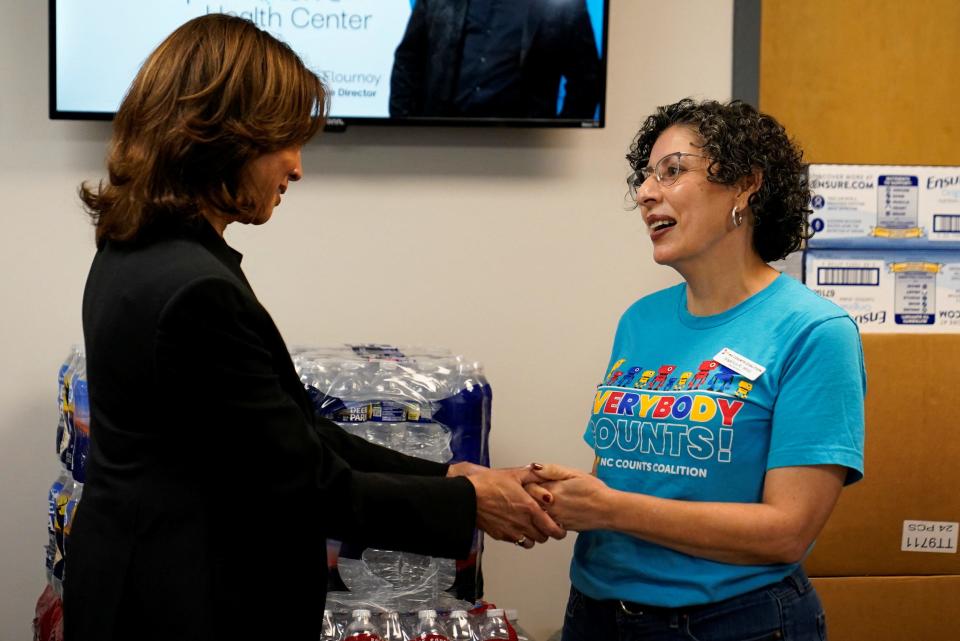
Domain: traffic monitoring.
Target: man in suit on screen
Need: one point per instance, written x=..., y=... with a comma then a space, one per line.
x=497, y=59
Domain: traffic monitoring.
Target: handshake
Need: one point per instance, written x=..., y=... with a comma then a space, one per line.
x=528, y=505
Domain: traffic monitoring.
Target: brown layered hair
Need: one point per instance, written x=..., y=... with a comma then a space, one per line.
x=217, y=93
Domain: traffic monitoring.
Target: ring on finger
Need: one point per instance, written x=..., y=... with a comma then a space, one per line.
x=520, y=541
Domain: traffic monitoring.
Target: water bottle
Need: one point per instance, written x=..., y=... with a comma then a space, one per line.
x=60, y=516
x=329, y=630
x=53, y=548
x=81, y=423
x=495, y=627
x=430, y=441
x=71, y=511
x=513, y=618
x=362, y=628
x=65, y=432
x=460, y=628
x=62, y=400
x=430, y=628
x=393, y=627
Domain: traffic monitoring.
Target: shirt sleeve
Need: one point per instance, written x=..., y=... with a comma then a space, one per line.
x=818, y=416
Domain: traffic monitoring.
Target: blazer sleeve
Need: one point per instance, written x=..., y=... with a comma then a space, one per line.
x=215, y=364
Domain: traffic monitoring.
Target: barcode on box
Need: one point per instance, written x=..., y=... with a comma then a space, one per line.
x=946, y=223
x=848, y=276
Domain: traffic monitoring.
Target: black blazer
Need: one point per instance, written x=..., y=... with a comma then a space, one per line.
x=211, y=487
x=557, y=41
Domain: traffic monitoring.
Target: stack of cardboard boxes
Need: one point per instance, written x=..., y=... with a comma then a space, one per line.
x=888, y=250
x=886, y=245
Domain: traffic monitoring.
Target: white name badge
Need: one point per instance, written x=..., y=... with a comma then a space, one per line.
x=739, y=364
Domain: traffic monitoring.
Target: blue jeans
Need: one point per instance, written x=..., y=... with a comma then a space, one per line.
x=788, y=610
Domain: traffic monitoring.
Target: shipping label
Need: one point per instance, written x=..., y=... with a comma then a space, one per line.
x=930, y=536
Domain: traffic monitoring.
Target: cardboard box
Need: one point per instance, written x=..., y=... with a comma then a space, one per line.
x=791, y=265
x=890, y=291
x=895, y=608
x=902, y=517
x=885, y=206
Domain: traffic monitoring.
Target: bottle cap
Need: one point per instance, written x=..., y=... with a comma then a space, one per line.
x=495, y=612
x=361, y=613
x=428, y=614
x=458, y=613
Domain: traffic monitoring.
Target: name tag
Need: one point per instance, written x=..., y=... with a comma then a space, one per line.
x=739, y=364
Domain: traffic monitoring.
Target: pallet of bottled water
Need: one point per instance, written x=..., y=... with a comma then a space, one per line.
x=428, y=403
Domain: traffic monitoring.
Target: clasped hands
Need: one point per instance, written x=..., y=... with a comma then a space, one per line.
x=528, y=505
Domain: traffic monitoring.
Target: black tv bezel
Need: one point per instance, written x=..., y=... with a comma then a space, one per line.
x=339, y=123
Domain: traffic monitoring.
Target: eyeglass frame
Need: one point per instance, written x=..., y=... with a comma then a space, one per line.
x=645, y=172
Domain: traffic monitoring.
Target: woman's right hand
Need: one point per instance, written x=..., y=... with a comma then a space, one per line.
x=576, y=500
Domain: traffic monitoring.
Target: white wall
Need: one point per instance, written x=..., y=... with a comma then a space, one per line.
x=509, y=246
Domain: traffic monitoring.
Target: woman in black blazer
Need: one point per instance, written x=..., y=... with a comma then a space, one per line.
x=211, y=486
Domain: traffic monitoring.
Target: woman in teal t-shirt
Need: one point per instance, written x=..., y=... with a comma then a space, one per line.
x=730, y=415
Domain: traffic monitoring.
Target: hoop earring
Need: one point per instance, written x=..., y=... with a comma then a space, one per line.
x=736, y=217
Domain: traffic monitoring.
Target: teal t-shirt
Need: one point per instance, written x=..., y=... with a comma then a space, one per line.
x=698, y=408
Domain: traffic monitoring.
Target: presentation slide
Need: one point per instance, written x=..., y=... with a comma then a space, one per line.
x=353, y=46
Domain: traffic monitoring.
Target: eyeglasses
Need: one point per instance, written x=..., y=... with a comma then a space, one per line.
x=667, y=170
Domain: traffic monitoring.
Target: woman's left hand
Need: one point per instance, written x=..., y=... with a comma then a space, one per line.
x=572, y=497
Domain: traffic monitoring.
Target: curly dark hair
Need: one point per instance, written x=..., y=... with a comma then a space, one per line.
x=739, y=140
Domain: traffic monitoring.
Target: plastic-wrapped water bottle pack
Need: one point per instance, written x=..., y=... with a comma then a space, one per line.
x=428, y=403
x=72, y=447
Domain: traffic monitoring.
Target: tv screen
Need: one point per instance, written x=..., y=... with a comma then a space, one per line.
x=447, y=62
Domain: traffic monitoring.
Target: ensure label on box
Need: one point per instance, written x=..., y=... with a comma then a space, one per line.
x=869, y=206
x=893, y=291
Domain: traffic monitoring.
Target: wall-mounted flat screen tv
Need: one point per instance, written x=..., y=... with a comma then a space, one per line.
x=539, y=63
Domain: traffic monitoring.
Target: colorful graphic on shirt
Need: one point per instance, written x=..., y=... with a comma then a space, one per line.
x=614, y=372
x=662, y=374
x=722, y=378
x=696, y=438
x=699, y=408
x=743, y=389
x=683, y=381
x=644, y=379
x=702, y=373
x=627, y=379
x=711, y=376
x=671, y=424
